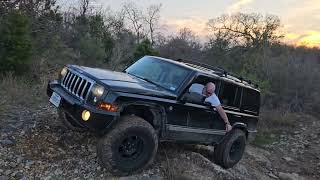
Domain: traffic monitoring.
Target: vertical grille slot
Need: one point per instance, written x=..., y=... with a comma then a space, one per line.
x=76, y=85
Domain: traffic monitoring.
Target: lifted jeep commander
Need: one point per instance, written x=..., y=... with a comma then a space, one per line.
x=149, y=102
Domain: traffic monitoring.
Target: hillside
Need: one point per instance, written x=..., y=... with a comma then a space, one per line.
x=33, y=144
x=39, y=37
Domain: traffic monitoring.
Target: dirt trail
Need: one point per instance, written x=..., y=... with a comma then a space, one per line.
x=33, y=145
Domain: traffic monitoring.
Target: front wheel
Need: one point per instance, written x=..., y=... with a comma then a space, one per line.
x=229, y=152
x=130, y=146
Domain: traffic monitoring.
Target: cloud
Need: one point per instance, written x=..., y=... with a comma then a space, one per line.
x=195, y=23
x=236, y=6
x=302, y=23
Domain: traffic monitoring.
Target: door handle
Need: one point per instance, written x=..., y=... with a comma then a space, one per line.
x=237, y=116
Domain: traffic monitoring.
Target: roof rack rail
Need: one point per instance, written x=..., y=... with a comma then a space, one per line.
x=216, y=70
x=213, y=68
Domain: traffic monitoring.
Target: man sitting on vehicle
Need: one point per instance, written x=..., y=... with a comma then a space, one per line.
x=211, y=97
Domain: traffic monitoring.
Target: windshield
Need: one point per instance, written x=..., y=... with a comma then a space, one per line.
x=164, y=74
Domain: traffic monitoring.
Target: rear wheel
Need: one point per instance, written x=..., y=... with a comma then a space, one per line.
x=229, y=152
x=130, y=146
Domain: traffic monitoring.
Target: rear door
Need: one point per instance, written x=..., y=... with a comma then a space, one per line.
x=230, y=97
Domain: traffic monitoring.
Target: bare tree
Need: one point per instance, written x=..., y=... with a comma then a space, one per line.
x=134, y=15
x=185, y=45
x=152, y=19
x=84, y=5
x=115, y=22
x=249, y=29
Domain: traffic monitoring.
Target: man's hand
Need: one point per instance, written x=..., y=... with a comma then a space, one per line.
x=228, y=127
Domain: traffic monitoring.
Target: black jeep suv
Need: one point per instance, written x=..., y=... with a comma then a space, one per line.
x=148, y=102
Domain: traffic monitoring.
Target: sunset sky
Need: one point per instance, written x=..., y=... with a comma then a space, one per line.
x=300, y=18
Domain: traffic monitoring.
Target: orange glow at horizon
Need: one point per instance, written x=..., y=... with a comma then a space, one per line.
x=312, y=40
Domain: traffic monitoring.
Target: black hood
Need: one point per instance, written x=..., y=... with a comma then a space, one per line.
x=123, y=82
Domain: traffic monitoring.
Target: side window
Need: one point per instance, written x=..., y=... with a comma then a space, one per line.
x=250, y=100
x=199, y=98
x=204, y=80
x=230, y=95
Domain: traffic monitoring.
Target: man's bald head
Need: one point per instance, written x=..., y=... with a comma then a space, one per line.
x=209, y=89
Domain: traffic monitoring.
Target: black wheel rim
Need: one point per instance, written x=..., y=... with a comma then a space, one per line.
x=236, y=150
x=131, y=148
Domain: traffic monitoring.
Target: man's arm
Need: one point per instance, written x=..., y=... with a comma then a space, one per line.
x=224, y=116
x=215, y=102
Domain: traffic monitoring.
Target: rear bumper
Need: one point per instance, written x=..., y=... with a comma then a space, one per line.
x=99, y=120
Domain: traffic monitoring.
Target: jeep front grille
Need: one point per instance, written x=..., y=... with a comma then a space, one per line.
x=76, y=85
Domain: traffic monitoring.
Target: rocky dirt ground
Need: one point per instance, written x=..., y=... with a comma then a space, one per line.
x=33, y=145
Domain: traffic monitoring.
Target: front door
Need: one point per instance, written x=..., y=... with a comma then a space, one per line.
x=197, y=123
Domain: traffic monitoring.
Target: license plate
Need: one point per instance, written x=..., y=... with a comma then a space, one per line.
x=55, y=99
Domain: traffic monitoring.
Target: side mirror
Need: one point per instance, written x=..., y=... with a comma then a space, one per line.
x=184, y=98
x=192, y=97
x=124, y=69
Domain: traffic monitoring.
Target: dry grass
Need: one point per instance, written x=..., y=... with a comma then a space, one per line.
x=20, y=91
x=277, y=119
x=272, y=123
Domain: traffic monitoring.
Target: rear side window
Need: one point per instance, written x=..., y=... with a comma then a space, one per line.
x=250, y=100
x=230, y=95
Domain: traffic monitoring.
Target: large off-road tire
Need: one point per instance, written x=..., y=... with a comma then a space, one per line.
x=229, y=152
x=129, y=147
x=66, y=120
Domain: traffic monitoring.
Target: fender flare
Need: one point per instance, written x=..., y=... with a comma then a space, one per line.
x=242, y=126
x=156, y=109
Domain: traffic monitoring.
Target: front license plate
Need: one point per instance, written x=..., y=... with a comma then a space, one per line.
x=55, y=99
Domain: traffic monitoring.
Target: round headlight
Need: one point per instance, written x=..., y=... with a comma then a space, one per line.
x=85, y=115
x=64, y=71
x=97, y=90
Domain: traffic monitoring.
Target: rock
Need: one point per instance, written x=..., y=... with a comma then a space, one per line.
x=29, y=163
x=58, y=172
x=19, y=175
x=289, y=176
x=216, y=168
x=156, y=177
x=47, y=178
x=288, y=159
x=306, y=144
x=4, y=177
x=13, y=164
x=273, y=176
x=259, y=155
x=98, y=168
x=7, y=172
x=19, y=159
x=241, y=169
x=7, y=142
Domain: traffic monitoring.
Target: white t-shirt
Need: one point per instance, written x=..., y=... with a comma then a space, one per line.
x=213, y=99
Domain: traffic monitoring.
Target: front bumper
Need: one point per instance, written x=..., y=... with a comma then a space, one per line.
x=99, y=120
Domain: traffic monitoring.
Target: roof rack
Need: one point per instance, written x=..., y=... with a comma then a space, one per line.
x=216, y=70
